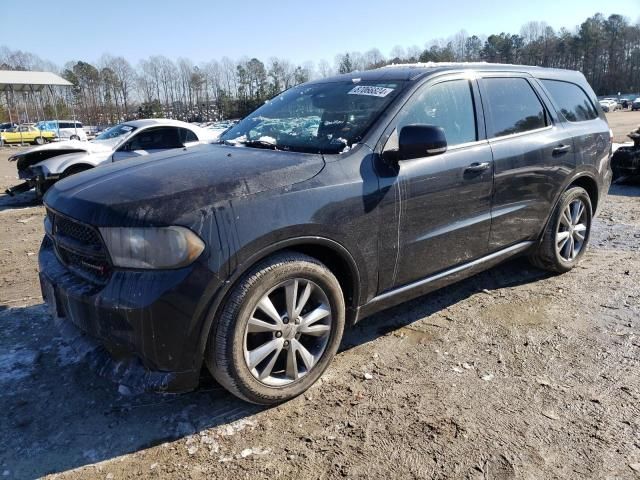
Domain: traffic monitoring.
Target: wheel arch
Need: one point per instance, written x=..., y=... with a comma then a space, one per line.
x=77, y=167
x=331, y=253
x=584, y=179
x=590, y=185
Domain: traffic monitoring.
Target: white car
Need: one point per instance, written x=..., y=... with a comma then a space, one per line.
x=608, y=105
x=64, y=129
x=42, y=166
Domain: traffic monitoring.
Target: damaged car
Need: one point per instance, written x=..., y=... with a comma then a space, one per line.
x=40, y=167
x=335, y=200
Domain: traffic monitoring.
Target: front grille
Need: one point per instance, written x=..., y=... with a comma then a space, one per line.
x=80, y=248
x=77, y=231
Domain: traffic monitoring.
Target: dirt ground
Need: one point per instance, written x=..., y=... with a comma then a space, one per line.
x=513, y=373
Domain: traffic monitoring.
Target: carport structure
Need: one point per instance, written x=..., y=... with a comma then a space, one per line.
x=29, y=84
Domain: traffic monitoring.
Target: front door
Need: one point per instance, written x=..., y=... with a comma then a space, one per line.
x=444, y=201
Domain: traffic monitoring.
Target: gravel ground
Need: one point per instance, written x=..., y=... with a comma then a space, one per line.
x=513, y=373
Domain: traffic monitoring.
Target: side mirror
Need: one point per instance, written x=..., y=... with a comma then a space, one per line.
x=417, y=141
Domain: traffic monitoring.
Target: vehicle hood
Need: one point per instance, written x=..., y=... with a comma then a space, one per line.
x=32, y=156
x=65, y=145
x=175, y=188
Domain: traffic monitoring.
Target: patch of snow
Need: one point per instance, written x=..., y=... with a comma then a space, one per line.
x=17, y=364
x=235, y=427
x=66, y=355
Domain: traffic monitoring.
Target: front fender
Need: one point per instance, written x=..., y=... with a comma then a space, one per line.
x=55, y=166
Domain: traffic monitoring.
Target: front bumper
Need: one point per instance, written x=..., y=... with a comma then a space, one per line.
x=140, y=329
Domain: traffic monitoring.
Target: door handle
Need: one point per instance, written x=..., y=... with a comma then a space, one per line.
x=561, y=149
x=478, y=167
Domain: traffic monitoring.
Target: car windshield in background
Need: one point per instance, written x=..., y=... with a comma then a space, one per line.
x=318, y=118
x=116, y=132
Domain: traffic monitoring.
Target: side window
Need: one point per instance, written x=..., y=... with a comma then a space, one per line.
x=572, y=100
x=78, y=125
x=155, y=139
x=187, y=136
x=513, y=106
x=65, y=125
x=448, y=105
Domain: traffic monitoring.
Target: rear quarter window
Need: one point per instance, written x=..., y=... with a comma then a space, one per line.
x=573, y=101
x=513, y=106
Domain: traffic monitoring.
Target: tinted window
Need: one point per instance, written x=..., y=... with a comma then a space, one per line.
x=513, y=106
x=448, y=105
x=187, y=136
x=573, y=102
x=156, y=138
x=66, y=125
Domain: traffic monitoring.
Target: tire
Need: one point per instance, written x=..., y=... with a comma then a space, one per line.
x=233, y=355
x=556, y=254
x=74, y=137
x=40, y=141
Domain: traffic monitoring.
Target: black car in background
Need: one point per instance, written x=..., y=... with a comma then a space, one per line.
x=335, y=200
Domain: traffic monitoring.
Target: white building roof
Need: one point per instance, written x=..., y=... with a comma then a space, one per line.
x=20, y=81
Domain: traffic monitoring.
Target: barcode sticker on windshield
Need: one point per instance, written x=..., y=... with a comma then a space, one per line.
x=370, y=91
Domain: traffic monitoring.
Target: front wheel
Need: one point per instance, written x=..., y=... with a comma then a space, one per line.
x=279, y=329
x=40, y=141
x=566, y=237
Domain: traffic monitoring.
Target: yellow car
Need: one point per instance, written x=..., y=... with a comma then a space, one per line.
x=26, y=134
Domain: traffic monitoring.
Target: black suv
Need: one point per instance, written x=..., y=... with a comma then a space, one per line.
x=334, y=200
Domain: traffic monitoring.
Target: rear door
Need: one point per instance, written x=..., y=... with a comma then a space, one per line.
x=532, y=154
x=590, y=131
x=445, y=199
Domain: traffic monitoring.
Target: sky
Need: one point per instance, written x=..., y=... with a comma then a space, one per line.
x=203, y=30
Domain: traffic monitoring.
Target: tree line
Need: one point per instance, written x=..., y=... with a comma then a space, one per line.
x=605, y=50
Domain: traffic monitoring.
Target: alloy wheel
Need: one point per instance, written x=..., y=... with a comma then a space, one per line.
x=287, y=332
x=572, y=230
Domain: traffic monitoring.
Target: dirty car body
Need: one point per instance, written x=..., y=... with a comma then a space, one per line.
x=43, y=165
x=390, y=225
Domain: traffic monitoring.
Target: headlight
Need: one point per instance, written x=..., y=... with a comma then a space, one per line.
x=152, y=248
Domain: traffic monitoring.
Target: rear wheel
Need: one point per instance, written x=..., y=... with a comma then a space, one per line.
x=279, y=329
x=567, y=235
x=40, y=141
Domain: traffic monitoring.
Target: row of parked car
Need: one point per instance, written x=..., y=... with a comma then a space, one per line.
x=41, y=132
x=613, y=104
x=57, y=130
